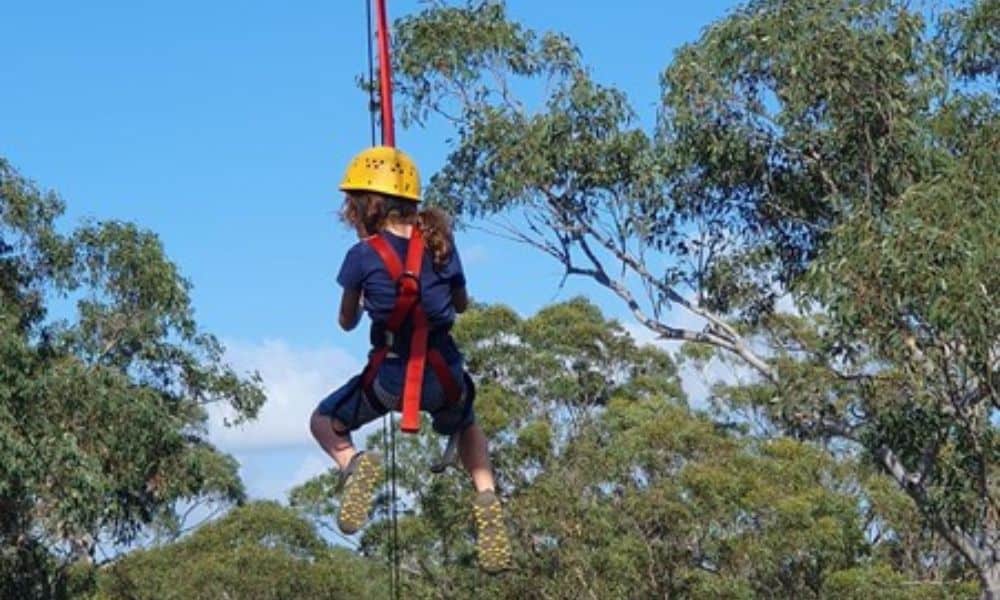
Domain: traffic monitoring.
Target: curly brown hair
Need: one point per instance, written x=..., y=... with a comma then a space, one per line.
x=369, y=213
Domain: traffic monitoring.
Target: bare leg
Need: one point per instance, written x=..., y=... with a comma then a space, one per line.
x=339, y=447
x=492, y=541
x=475, y=458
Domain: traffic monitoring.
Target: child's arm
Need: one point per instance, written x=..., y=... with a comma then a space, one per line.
x=350, y=309
x=460, y=298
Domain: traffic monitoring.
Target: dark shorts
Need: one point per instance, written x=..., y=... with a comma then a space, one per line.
x=351, y=406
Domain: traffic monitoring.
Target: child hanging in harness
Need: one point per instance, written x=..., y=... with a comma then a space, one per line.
x=406, y=274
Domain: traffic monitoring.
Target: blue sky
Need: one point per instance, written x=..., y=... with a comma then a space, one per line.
x=225, y=127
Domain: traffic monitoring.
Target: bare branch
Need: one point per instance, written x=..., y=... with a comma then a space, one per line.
x=719, y=332
x=914, y=487
x=599, y=275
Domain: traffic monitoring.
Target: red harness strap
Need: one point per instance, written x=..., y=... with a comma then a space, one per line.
x=407, y=279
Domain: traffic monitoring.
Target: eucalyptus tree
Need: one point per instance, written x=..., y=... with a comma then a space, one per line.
x=103, y=409
x=260, y=550
x=615, y=488
x=839, y=153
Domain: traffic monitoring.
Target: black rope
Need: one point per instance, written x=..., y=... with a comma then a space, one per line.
x=388, y=421
x=395, y=519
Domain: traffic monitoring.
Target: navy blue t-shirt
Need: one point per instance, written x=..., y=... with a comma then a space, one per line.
x=363, y=269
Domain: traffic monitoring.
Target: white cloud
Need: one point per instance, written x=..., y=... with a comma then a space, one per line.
x=313, y=465
x=295, y=380
x=274, y=479
x=276, y=451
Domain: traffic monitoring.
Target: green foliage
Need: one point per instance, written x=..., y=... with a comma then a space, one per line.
x=456, y=62
x=625, y=493
x=260, y=550
x=915, y=288
x=879, y=582
x=447, y=48
x=841, y=152
x=902, y=359
x=786, y=117
x=969, y=34
x=101, y=416
x=838, y=152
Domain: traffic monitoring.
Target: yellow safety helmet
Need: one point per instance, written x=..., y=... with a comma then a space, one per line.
x=385, y=170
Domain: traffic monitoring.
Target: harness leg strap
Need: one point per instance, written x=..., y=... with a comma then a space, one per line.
x=448, y=459
x=414, y=382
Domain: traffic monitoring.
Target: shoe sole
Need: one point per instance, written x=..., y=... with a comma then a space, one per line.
x=492, y=545
x=359, y=493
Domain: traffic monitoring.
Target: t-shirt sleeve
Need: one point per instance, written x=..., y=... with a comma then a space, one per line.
x=454, y=272
x=352, y=271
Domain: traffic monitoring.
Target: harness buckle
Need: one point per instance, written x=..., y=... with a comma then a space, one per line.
x=412, y=277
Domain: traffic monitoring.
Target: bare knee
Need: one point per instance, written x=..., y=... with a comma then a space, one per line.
x=319, y=423
x=323, y=425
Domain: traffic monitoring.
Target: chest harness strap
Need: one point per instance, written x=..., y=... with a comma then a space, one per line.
x=408, y=307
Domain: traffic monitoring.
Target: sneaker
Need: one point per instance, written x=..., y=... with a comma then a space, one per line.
x=361, y=477
x=492, y=544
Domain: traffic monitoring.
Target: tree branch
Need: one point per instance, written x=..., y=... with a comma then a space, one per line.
x=599, y=275
x=961, y=541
